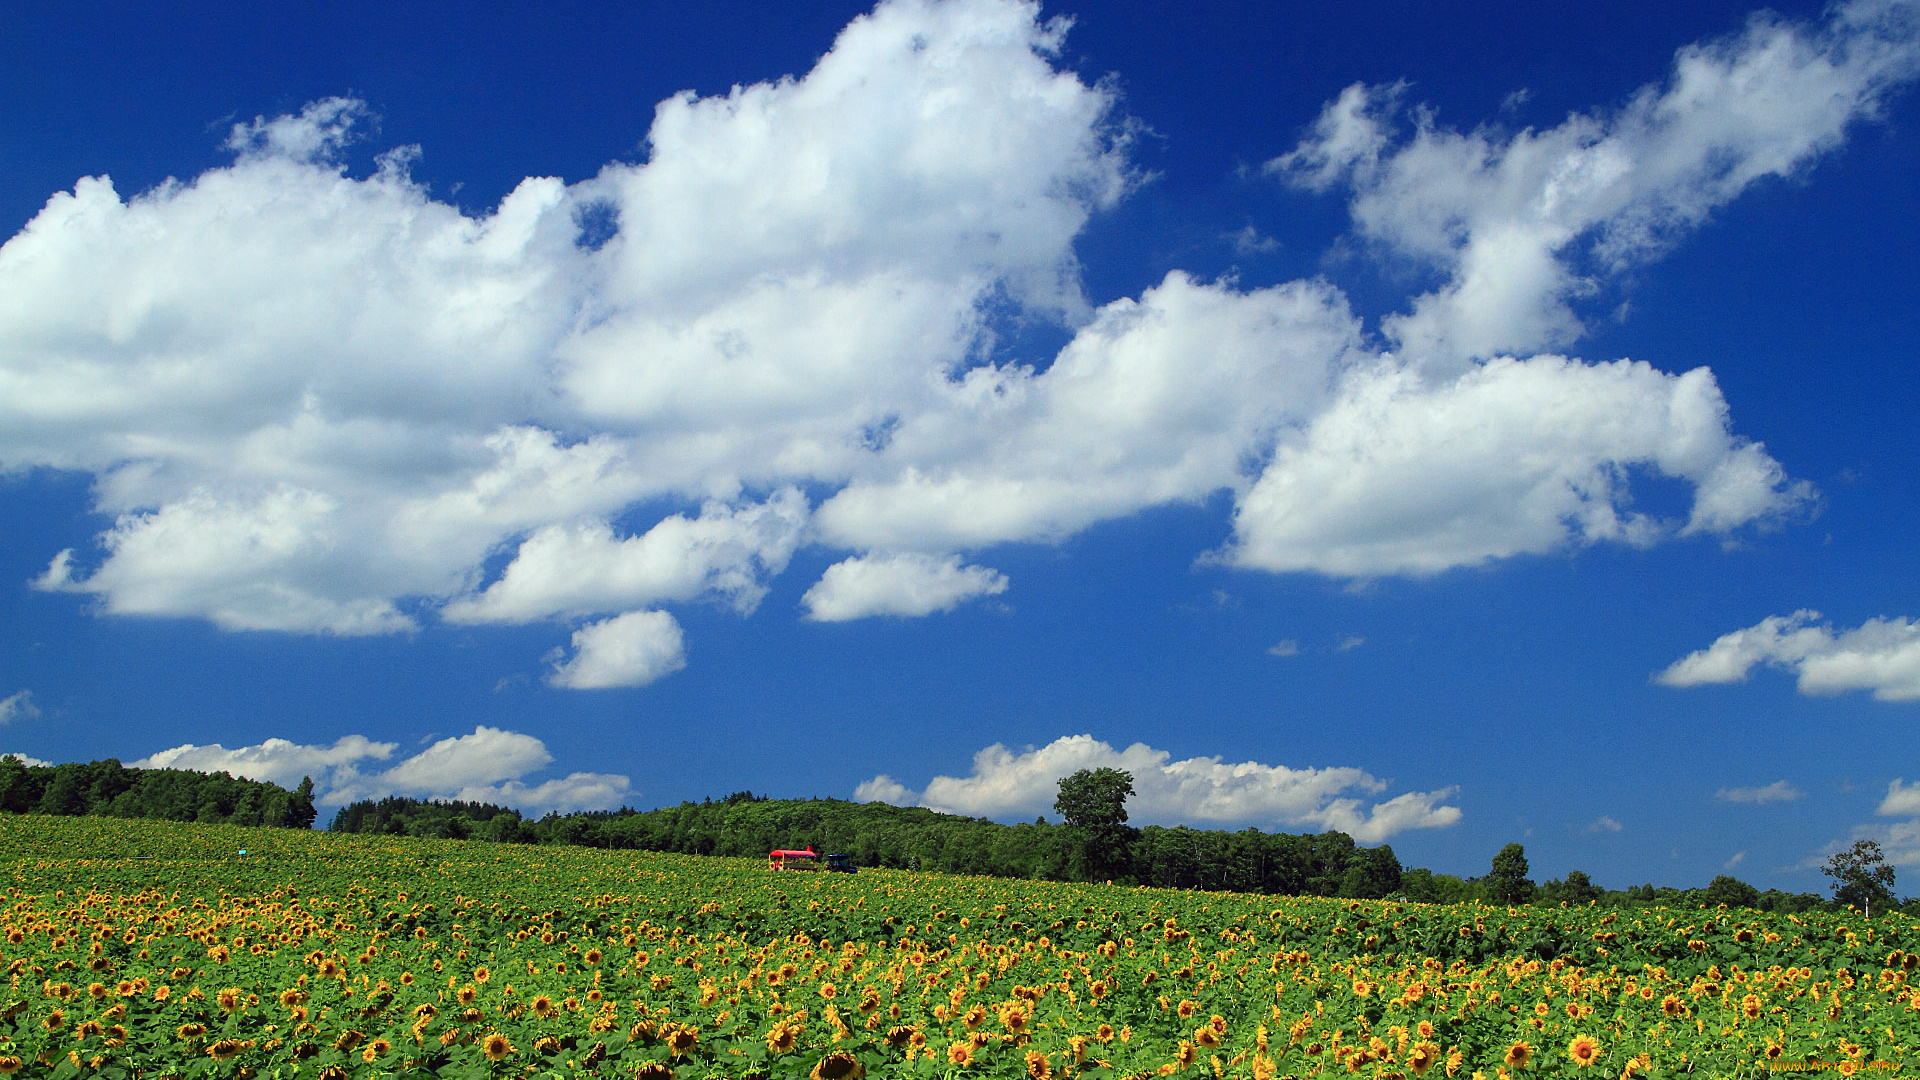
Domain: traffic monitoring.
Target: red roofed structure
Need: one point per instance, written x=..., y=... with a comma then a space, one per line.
x=788, y=859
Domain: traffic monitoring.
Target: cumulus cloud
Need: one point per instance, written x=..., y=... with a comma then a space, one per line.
x=898, y=584
x=1403, y=476
x=18, y=706
x=584, y=569
x=488, y=765
x=1881, y=655
x=1203, y=789
x=627, y=650
x=1604, y=824
x=1778, y=791
x=277, y=761
x=30, y=762
x=1523, y=223
x=320, y=402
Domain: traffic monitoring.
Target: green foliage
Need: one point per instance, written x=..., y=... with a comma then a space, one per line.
x=1507, y=882
x=1861, y=877
x=1731, y=891
x=915, y=838
x=148, y=948
x=1093, y=805
x=110, y=789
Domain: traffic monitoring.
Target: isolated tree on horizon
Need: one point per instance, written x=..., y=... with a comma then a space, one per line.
x=1093, y=803
x=1861, y=876
x=1507, y=881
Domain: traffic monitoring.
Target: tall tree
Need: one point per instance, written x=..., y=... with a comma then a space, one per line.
x=1861, y=876
x=1093, y=803
x=1507, y=882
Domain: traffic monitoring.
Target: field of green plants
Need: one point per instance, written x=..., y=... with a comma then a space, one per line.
x=139, y=948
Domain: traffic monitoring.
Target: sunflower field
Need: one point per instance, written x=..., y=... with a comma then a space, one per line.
x=149, y=949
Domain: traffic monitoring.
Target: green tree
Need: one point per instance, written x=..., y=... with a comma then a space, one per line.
x=1861, y=877
x=1093, y=804
x=1578, y=889
x=1507, y=882
x=1731, y=891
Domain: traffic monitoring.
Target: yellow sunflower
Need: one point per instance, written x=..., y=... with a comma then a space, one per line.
x=838, y=1066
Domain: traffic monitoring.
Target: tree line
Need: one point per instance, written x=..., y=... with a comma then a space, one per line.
x=1091, y=842
x=915, y=838
x=110, y=789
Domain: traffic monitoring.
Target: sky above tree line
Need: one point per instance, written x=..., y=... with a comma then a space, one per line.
x=1447, y=429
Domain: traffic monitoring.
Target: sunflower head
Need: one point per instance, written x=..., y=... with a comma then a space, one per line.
x=1518, y=1055
x=781, y=1038
x=496, y=1046
x=838, y=1066
x=960, y=1053
x=1038, y=1067
x=1584, y=1050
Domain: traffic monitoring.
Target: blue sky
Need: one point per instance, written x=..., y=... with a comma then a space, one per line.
x=1449, y=430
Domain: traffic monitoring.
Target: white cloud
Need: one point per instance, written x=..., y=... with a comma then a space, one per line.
x=901, y=583
x=1778, y=791
x=883, y=788
x=1156, y=400
x=1738, y=858
x=30, y=762
x=1902, y=800
x=18, y=706
x=1402, y=476
x=633, y=649
x=486, y=766
x=1881, y=655
x=1604, y=824
x=1203, y=789
x=1285, y=647
x=572, y=792
x=1523, y=223
x=316, y=402
x=484, y=757
x=277, y=761
x=583, y=569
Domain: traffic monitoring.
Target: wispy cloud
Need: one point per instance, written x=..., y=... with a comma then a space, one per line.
x=18, y=706
x=1778, y=791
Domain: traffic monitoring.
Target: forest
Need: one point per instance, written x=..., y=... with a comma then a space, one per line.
x=110, y=789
